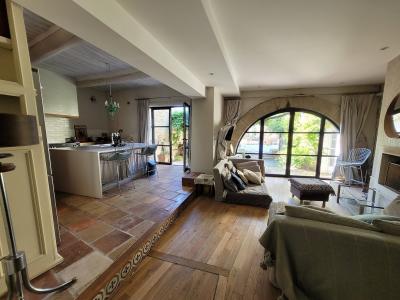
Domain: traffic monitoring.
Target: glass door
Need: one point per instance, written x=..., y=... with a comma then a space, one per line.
x=186, y=137
x=161, y=134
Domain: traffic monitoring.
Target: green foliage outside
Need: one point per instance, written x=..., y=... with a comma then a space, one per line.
x=177, y=130
x=303, y=144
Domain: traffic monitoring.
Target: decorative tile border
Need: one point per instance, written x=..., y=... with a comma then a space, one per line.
x=129, y=267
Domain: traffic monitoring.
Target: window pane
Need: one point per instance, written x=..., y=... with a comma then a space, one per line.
x=329, y=127
x=331, y=144
x=275, y=164
x=161, y=135
x=163, y=154
x=306, y=122
x=327, y=166
x=255, y=127
x=305, y=143
x=277, y=123
x=275, y=143
x=161, y=117
x=303, y=166
x=250, y=143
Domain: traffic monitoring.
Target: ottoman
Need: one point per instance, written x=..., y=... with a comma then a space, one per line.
x=311, y=189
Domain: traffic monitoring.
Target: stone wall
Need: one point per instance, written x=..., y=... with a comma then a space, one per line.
x=385, y=143
x=328, y=109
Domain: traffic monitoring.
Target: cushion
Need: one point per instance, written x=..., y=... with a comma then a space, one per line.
x=230, y=166
x=252, y=177
x=241, y=175
x=393, y=209
x=252, y=166
x=369, y=218
x=228, y=181
x=249, y=165
x=238, y=182
x=391, y=227
x=312, y=214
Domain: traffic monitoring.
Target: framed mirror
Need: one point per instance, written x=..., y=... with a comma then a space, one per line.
x=392, y=118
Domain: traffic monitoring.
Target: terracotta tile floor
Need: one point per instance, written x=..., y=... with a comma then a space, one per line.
x=95, y=232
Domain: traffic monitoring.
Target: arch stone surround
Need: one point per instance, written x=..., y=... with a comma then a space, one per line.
x=315, y=104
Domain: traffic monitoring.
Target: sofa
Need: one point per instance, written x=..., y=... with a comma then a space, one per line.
x=255, y=195
x=328, y=259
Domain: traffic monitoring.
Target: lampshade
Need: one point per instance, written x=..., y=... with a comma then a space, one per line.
x=18, y=130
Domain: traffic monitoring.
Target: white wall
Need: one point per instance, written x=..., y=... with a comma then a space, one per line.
x=385, y=143
x=92, y=114
x=206, y=121
x=126, y=118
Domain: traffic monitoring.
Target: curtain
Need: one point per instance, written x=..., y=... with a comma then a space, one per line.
x=358, y=124
x=143, y=120
x=231, y=116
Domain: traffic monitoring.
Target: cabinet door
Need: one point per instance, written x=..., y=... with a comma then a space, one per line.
x=59, y=94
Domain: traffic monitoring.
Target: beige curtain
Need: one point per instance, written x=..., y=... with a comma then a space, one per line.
x=143, y=120
x=358, y=124
x=231, y=116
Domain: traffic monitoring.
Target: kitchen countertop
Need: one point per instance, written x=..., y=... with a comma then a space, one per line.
x=105, y=148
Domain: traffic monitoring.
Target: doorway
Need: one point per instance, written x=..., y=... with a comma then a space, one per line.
x=171, y=132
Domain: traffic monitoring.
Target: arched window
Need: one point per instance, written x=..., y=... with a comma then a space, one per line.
x=293, y=142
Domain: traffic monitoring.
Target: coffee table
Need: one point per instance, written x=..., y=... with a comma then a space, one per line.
x=367, y=201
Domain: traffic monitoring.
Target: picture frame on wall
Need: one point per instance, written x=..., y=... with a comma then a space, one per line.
x=81, y=133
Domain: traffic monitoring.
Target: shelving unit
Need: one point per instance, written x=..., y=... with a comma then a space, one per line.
x=27, y=185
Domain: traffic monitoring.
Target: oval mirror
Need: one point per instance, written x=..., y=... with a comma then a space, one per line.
x=392, y=118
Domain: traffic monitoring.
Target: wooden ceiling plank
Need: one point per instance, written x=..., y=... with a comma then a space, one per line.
x=51, y=43
x=111, y=80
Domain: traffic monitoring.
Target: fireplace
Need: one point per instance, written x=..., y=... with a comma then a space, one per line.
x=389, y=175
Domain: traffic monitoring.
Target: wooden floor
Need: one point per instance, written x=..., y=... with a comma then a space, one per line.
x=211, y=252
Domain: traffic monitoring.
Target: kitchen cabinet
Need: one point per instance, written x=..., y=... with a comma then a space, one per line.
x=59, y=95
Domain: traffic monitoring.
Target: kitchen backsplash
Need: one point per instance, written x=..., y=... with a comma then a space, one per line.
x=58, y=129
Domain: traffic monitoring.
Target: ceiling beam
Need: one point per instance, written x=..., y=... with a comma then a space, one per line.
x=50, y=43
x=107, y=79
x=106, y=25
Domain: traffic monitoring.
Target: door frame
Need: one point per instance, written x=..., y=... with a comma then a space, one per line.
x=187, y=142
x=169, y=132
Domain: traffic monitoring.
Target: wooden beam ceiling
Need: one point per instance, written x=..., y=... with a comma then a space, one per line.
x=51, y=42
x=110, y=77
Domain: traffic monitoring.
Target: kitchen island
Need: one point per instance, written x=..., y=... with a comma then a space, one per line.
x=87, y=171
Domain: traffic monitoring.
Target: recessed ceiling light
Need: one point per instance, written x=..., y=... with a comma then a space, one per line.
x=384, y=48
x=211, y=74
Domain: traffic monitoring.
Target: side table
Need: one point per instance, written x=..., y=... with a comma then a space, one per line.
x=204, y=180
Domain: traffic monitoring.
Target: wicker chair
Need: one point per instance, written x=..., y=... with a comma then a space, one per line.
x=355, y=161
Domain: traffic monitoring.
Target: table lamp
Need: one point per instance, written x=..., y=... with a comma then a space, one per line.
x=17, y=130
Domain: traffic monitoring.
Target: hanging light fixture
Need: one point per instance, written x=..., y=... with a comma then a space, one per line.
x=111, y=105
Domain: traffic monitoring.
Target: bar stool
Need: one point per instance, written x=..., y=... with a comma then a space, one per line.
x=120, y=159
x=145, y=153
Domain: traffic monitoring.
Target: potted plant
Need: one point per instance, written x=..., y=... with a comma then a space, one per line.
x=161, y=155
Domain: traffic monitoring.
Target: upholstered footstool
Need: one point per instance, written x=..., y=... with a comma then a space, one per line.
x=310, y=189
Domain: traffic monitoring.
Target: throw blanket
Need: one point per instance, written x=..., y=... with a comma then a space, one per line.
x=316, y=260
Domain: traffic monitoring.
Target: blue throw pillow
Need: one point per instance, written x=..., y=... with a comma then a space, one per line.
x=238, y=182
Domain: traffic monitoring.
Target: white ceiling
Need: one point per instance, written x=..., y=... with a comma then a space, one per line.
x=81, y=59
x=287, y=44
x=253, y=44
